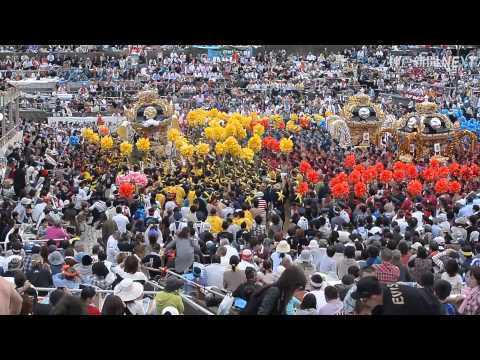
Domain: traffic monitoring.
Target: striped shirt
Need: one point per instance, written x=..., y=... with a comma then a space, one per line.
x=262, y=204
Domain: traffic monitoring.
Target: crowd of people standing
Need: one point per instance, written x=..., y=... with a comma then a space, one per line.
x=390, y=254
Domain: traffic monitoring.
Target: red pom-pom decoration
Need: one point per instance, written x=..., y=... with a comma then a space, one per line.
x=441, y=186
x=126, y=190
x=386, y=176
x=428, y=174
x=454, y=169
x=313, y=176
x=399, y=166
x=341, y=177
x=414, y=187
x=411, y=171
x=465, y=172
x=399, y=175
x=350, y=161
x=369, y=175
x=360, y=190
x=304, y=123
x=302, y=188
x=359, y=168
x=454, y=187
x=304, y=166
x=379, y=166
x=443, y=171
x=264, y=122
x=474, y=169
x=340, y=190
x=354, y=177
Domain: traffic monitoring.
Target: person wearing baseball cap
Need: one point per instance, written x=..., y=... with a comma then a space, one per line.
x=393, y=299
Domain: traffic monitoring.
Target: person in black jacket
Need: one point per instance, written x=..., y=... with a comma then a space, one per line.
x=39, y=276
x=273, y=299
x=19, y=179
x=393, y=299
x=245, y=290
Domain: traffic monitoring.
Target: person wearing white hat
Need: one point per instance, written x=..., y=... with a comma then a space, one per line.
x=416, y=246
x=440, y=240
x=21, y=209
x=281, y=252
x=246, y=257
x=317, y=285
x=131, y=293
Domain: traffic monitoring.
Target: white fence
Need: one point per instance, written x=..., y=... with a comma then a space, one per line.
x=88, y=121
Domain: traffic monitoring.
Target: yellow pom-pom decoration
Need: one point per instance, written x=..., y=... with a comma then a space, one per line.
x=173, y=134
x=235, y=150
x=258, y=129
x=230, y=142
x=126, y=148
x=180, y=141
x=87, y=133
x=220, y=148
x=202, y=149
x=286, y=145
x=187, y=150
x=255, y=143
x=94, y=139
x=231, y=130
x=106, y=142
x=292, y=127
x=247, y=154
x=143, y=144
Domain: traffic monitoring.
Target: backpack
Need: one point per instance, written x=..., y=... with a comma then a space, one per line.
x=139, y=214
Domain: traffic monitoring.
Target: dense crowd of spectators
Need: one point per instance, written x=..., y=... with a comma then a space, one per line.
x=391, y=253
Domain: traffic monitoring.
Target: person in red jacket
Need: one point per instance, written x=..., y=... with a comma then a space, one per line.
x=88, y=297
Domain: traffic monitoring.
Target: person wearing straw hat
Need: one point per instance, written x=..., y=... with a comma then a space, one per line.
x=131, y=293
x=281, y=252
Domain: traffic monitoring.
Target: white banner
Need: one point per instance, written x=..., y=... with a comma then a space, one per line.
x=87, y=121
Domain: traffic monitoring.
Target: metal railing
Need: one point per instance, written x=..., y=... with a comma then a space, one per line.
x=190, y=282
x=102, y=294
x=186, y=299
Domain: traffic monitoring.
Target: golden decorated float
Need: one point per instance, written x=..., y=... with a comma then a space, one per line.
x=359, y=123
x=426, y=133
x=150, y=116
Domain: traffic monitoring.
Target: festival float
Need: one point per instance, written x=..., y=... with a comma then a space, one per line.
x=426, y=134
x=359, y=123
